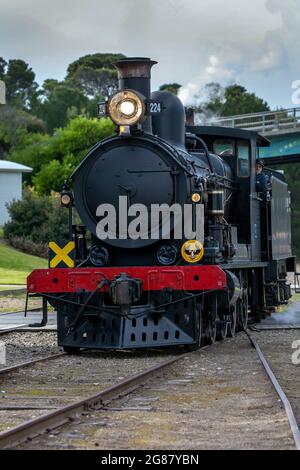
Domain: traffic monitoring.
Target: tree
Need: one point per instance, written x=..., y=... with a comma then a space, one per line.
x=171, y=87
x=218, y=101
x=94, y=74
x=239, y=101
x=95, y=83
x=39, y=219
x=59, y=99
x=3, y=65
x=66, y=148
x=51, y=177
x=21, y=87
x=212, y=97
x=15, y=127
x=95, y=61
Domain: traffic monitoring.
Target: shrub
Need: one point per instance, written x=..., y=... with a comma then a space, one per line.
x=70, y=143
x=52, y=175
x=36, y=219
x=28, y=246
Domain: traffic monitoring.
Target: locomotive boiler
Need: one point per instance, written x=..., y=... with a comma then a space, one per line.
x=175, y=245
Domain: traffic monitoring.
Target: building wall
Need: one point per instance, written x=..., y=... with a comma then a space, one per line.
x=10, y=188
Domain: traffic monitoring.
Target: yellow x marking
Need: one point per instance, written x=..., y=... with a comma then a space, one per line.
x=62, y=254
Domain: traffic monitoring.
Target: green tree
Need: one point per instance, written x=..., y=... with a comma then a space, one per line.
x=3, y=65
x=95, y=61
x=36, y=218
x=15, y=126
x=171, y=87
x=66, y=148
x=52, y=175
x=239, y=101
x=21, y=88
x=59, y=98
x=94, y=74
x=231, y=100
x=95, y=83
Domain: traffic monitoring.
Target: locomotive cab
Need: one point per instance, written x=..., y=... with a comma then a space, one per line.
x=237, y=148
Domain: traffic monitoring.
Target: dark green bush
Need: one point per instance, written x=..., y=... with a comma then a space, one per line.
x=52, y=156
x=38, y=219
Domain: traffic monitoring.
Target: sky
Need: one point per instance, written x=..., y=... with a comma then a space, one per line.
x=254, y=43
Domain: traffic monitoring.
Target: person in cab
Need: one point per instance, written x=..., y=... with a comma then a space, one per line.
x=261, y=178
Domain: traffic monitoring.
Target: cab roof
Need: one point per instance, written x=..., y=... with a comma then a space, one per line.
x=232, y=132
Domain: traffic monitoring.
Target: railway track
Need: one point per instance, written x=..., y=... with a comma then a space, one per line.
x=10, y=329
x=66, y=414
x=284, y=399
x=32, y=362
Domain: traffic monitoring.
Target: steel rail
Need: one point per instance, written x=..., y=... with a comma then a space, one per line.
x=11, y=329
x=276, y=328
x=54, y=419
x=5, y=370
x=284, y=399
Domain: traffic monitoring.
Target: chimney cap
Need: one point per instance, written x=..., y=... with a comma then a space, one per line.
x=134, y=67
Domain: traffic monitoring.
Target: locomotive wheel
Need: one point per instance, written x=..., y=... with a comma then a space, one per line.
x=200, y=329
x=221, y=326
x=231, y=324
x=212, y=331
x=211, y=327
x=242, y=306
x=222, y=329
x=199, y=333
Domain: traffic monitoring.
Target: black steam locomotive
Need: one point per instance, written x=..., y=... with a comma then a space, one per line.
x=142, y=286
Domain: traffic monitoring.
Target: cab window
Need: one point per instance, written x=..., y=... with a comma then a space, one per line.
x=243, y=155
x=224, y=147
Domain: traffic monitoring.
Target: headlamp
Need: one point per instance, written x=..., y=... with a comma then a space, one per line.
x=196, y=197
x=126, y=108
x=65, y=199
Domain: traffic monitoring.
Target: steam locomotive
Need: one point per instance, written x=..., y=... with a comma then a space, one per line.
x=136, y=277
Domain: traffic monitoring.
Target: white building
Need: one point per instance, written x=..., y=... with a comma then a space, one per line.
x=10, y=185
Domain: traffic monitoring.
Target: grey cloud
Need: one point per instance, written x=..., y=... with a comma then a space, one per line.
x=255, y=42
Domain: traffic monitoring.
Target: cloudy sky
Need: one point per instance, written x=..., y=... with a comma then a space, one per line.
x=256, y=43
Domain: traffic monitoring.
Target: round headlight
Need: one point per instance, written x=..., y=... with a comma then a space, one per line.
x=65, y=199
x=167, y=254
x=98, y=255
x=196, y=197
x=126, y=108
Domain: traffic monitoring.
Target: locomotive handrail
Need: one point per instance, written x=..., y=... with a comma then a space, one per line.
x=204, y=146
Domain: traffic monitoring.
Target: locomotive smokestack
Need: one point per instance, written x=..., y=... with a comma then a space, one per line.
x=135, y=73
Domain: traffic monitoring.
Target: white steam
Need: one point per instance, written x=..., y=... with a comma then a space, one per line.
x=194, y=93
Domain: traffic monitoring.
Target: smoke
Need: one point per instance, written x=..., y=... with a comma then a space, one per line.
x=194, y=92
x=290, y=317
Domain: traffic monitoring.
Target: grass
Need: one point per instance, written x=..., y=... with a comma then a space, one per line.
x=15, y=265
